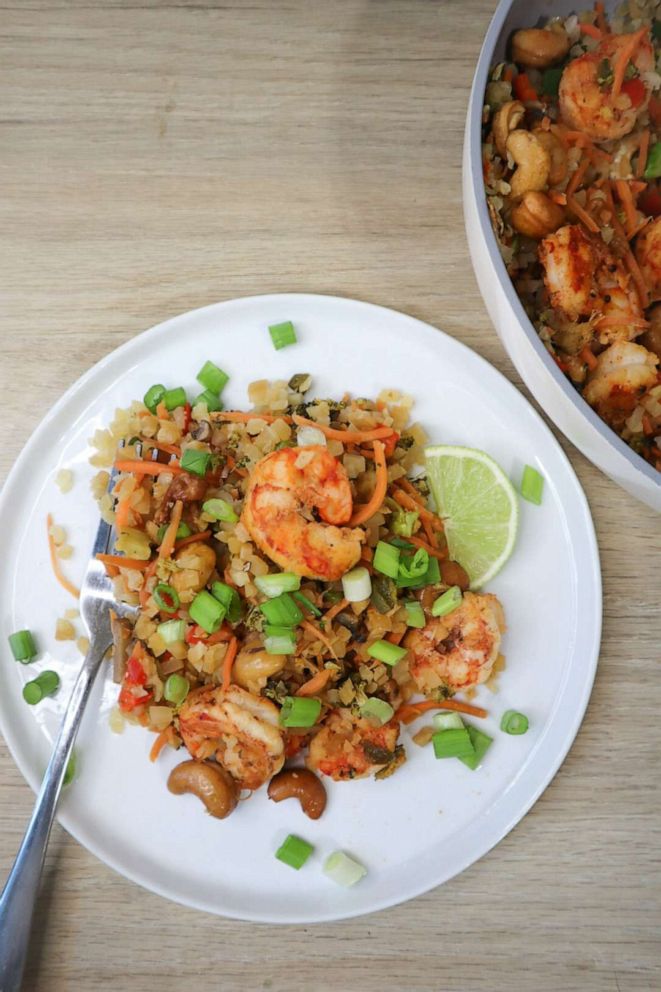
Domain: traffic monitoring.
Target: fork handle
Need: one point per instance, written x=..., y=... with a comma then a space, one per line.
x=19, y=895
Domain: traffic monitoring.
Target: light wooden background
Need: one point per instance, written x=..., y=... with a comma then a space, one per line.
x=160, y=156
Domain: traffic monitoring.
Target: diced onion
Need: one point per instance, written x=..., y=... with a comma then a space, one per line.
x=357, y=585
x=310, y=435
x=343, y=870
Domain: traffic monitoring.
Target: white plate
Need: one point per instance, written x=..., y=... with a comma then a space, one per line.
x=434, y=818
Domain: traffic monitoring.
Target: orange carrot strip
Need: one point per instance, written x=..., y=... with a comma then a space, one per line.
x=582, y=215
x=643, y=149
x=626, y=199
x=395, y=637
x=623, y=57
x=55, y=562
x=228, y=661
x=637, y=277
x=419, y=543
x=239, y=417
x=170, y=536
x=648, y=427
x=120, y=562
x=147, y=468
x=316, y=684
x=192, y=538
x=162, y=411
x=334, y=610
x=411, y=504
x=348, y=435
x=375, y=502
x=591, y=30
x=411, y=711
x=588, y=357
x=313, y=629
x=144, y=592
x=159, y=744
x=559, y=198
x=577, y=176
x=123, y=512
x=602, y=23
x=224, y=634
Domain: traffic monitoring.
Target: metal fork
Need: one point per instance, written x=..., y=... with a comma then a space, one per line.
x=19, y=895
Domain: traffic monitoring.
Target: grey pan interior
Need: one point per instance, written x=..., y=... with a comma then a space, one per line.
x=509, y=16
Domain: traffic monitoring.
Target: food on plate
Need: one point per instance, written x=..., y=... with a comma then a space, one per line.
x=572, y=163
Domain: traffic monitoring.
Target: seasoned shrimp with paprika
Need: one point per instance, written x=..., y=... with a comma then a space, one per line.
x=623, y=374
x=287, y=491
x=349, y=746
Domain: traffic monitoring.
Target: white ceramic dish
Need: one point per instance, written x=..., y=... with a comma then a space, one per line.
x=434, y=818
x=552, y=390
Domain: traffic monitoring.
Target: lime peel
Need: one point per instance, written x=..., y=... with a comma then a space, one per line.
x=479, y=507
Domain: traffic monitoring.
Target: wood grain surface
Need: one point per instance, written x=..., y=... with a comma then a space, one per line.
x=156, y=157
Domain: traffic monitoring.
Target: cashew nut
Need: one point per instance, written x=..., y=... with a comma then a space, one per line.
x=532, y=160
x=210, y=783
x=195, y=563
x=540, y=47
x=506, y=120
x=301, y=784
x=253, y=666
x=536, y=215
x=557, y=154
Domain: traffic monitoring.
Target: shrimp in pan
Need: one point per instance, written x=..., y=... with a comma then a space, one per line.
x=349, y=746
x=286, y=490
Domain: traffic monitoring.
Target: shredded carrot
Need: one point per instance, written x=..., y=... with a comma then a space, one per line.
x=316, y=684
x=375, y=502
x=395, y=636
x=313, y=629
x=366, y=553
x=55, y=562
x=334, y=610
x=348, y=435
x=239, y=417
x=620, y=319
x=419, y=543
x=170, y=536
x=162, y=411
x=643, y=149
x=159, y=744
x=578, y=175
x=602, y=23
x=123, y=512
x=559, y=198
x=625, y=53
x=411, y=490
x=222, y=635
x=192, y=539
x=145, y=593
x=641, y=227
x=410, y=504
x=228, y=661
x=582, y=215
x=591, y=30
x=146, y=468
x=637, y=276
x=626, y=199
x=588, y=357
x=120, y=562
x=648, y=427
x=411, y=711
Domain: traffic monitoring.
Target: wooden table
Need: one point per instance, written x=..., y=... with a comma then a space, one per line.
x=162, y=156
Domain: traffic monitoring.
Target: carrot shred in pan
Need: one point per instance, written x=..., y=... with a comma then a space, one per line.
x=118, y=561
x=375, y=502
x=239, y=417
x=170, y=536
x=411, y=504
x=411, y=711
x=588, y=357
x=204, y=535
x=559, y=198
x=144, y=592
x=334, y=610
x=578, y=176
x=313, y=629
x=643, y=149
x=146, y=468
x=582, y=215
x=159, y=744
x=348, y=435
x=55, y=562
x=618, y=320
x=626, y=199
x=316, y=684
x=623, y=57
x=228, y=661
x=637, y=276
x=419, y=543
x=602, y=23
x=591, y=30
x=123, y=512
x=222, y=635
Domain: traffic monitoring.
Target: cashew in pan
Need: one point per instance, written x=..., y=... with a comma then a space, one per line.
x=506, y=120
x=536, y=215
x=540, y=47
x=532, y=160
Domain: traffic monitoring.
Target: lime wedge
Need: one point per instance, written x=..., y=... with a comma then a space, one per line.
x=478, y=505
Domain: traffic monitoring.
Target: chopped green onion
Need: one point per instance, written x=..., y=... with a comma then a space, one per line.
x=275, y=585
x=308, y=604
x=183, y=530
x=415, y=615
x=386, y=652
x=377, y=709
x=294, y=852
x=195, y=461
x=532, y=484
x=22, y=646
x=282, y=334
x=299, y=711
x=166, y=597
x=174, y=398
x=172, y=631
x=430, y=578
x=399, y=542
x=45, y=684
x=551, y=81
x=452, y=744
x=153, y=397
x=404, y=521
x=221, y=510
x=282, y=611
x=357, y=585
x=230, y=599
x=481, y=743
x=415, y=567
x=656, y=30
x=70, y=772
x=513, y=722
x=386, y=559
x=447, y=721
x=343, y=870
x=653, y=167
x=176, y=689
x=282, y=642
x=210, y=400
x=212, y=378
x=207, y=612
x=446, y=603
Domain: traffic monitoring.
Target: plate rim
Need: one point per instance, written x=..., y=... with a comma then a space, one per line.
x=589, y=669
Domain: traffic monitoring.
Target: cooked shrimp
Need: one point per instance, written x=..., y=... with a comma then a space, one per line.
x=284, y=489
x=458, y=650
x=349, y=746
x=624, y=372
x=241, y=729
x=586, y=95
x=585, y=279
x=648, y=254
